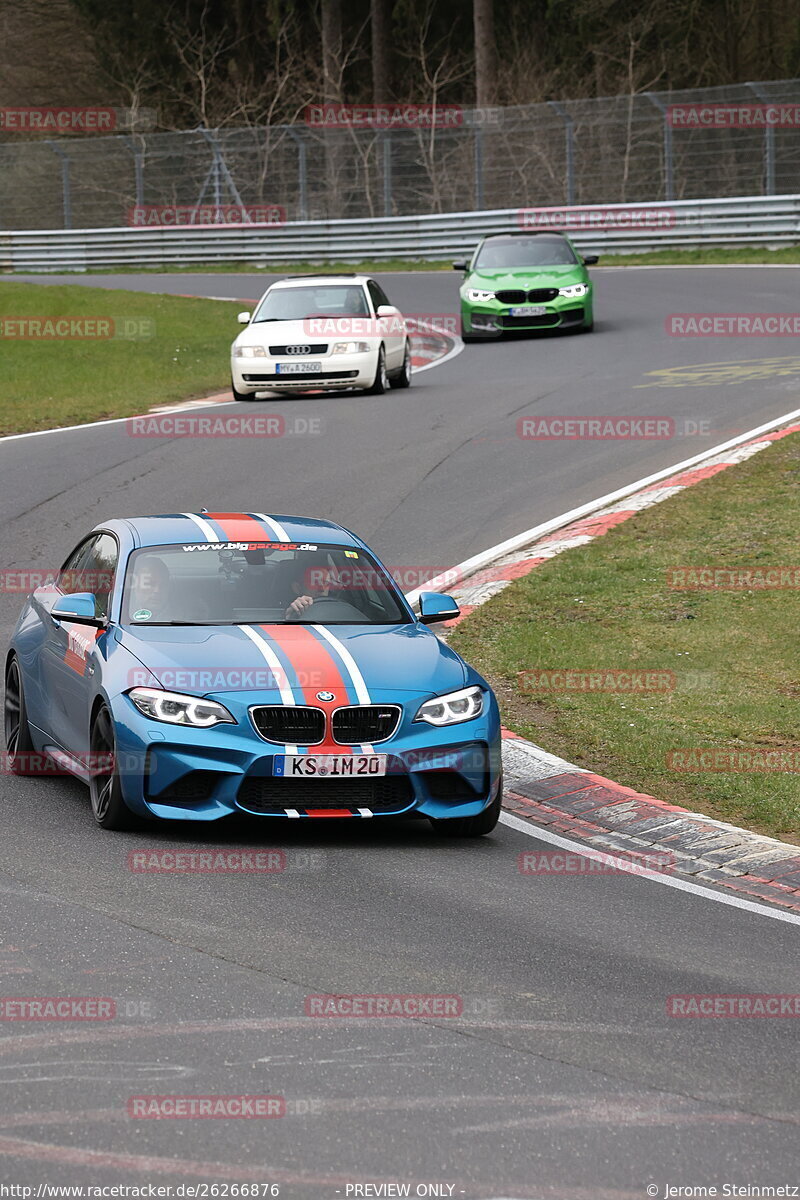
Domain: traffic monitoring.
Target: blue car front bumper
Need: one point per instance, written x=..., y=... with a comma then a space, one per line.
x=182, y=773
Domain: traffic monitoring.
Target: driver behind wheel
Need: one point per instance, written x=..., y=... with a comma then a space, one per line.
x=314, y=583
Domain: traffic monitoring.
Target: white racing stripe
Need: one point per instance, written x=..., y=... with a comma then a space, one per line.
x=275, y=526
x=631, y=868
x=274, y=663
x=203, y=526
x=362, y=692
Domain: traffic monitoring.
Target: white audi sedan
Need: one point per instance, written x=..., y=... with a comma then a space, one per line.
x=321, y=333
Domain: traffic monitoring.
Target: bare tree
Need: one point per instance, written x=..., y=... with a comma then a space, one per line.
x=381, y=28
x=485, y=53
x=332, y=50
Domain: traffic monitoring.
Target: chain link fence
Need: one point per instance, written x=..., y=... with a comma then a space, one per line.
x=623, y=149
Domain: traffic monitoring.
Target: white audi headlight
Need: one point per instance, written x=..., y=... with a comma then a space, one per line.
x=251, y=352
x=479, y=294
x=574, y=290
x=452, y=708
x=350, y=347
x=176, y=709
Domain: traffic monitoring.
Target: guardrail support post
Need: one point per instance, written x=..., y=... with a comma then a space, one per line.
x=669, y=179
x=66, y=183
x=769, y=145
x=569, y=147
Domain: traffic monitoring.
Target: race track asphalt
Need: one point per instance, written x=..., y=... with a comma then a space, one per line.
x=564, y=1077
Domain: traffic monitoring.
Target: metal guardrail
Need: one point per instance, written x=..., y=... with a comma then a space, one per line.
x=620, y=228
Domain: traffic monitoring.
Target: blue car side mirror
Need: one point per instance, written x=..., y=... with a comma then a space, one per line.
x=80, y=607
x=435, y=606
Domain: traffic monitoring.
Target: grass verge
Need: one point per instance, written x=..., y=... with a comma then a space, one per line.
x=175, y=349
x=734, y=654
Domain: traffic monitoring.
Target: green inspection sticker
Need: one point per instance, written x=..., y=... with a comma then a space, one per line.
x=143, y=614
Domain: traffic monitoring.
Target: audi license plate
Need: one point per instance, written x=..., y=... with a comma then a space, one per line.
x=529, y=310
x=296, y=368
x=329, y=766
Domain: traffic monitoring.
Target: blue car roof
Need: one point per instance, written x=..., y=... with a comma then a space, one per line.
x=178, y=528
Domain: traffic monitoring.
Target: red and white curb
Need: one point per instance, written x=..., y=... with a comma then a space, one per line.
x=550, y=792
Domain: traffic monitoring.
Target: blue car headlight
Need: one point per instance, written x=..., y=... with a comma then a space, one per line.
x=452, y=708
x=574, y=291
x=176, y=709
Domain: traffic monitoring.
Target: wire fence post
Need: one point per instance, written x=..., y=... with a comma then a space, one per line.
x=302, y=172
x=66, y=183
x=669, y=176
x=388, y=180
x=569, y=147
x=768, y=182
x=138, y=171
x=478, y=142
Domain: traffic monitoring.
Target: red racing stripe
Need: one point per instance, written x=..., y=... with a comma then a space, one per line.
x=238, y=527
x=317, y=671
x=328, y=812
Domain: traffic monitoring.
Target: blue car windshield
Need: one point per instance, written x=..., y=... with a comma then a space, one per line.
x=241, y=583
x=512, y=252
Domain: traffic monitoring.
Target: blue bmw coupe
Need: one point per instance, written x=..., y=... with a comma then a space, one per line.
x=201, y=664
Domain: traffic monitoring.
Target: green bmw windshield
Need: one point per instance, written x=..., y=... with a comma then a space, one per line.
x=510, y=253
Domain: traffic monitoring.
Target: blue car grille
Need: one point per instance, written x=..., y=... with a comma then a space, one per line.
x=306, y=726
x=281, y=724
x=268, y=796
x=365, y=723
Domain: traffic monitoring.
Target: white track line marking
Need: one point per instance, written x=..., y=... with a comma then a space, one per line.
x=681, y=885
x=470, y=565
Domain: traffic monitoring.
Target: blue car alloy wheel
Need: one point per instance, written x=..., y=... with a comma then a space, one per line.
x=198, y=665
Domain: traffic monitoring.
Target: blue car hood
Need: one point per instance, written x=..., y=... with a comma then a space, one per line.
x=220, y=660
